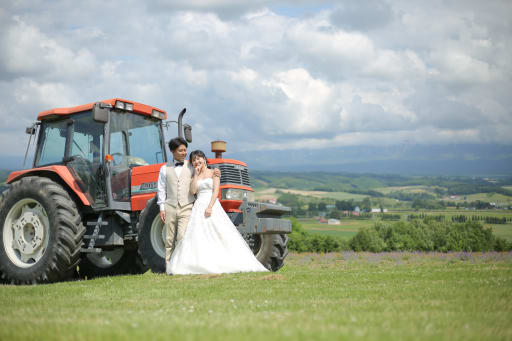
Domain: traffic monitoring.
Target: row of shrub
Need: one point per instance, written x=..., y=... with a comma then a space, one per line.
x=389, y=216
x=487, y=219
x=416, y=235
x=423, y=216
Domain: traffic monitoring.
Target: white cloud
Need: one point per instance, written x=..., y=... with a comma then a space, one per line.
x=31, y=52
x=378, y=73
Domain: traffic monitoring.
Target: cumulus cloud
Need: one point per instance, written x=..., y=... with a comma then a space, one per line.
x=266, y=76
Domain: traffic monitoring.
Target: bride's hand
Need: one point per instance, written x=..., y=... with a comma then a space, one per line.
x=208, y=212
x=198, y=169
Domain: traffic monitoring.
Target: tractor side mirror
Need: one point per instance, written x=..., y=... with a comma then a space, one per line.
x=100, y=112
x=30, y=130
x=187, y=129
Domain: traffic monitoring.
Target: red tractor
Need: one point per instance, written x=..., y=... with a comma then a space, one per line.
x=88, y=205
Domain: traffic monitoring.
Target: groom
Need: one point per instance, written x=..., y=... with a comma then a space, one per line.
x=174, y=196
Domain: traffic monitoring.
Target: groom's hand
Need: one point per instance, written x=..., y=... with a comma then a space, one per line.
x=216, y=172
x=162, y=216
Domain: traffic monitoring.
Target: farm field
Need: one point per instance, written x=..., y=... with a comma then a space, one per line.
x=409, y=189
x=346, y=230
x=384, y=296
x=502, y=230
x=271, y=193
x=349, y=227
x=449, y=212
x=493, y=197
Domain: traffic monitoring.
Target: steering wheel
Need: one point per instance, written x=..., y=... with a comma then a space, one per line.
x=80, y=159
x=120, y=161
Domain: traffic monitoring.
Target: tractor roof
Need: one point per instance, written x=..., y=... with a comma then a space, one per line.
x=137, y=108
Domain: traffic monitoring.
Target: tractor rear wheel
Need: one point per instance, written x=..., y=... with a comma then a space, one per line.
x=40, y=232
x=151, y=237
x=118, y=261
x=269, y=249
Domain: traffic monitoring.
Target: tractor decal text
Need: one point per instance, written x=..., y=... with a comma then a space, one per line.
x=146, y=187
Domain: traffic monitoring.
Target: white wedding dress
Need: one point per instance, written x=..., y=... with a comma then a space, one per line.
x=211, y=245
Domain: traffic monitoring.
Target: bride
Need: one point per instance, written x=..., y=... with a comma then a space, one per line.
x=211, y=243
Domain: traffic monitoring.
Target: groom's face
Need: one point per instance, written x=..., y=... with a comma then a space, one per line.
x=180, y=153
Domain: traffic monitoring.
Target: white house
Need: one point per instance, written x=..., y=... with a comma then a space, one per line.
x=333, y=222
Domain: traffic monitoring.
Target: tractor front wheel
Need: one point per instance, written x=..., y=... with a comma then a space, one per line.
x=40, y=232
x=269, y=249
x=151, y=237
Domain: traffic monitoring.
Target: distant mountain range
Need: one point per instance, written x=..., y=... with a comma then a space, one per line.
x=450, y=160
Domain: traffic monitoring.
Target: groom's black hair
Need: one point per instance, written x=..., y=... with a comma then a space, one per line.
x=198, y=153
x=176, y=142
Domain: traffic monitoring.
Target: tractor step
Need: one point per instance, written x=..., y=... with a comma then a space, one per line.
x=98, y=222
x=91, y=236
x=96, y=233
x=130, y=236
x=91, y=250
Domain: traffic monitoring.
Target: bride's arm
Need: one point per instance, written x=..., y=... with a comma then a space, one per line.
x=193, y=183
x=215, y=193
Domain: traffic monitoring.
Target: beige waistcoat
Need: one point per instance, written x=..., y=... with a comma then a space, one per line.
x=178, y=189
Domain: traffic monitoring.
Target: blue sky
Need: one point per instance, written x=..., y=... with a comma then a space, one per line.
x=288, y=84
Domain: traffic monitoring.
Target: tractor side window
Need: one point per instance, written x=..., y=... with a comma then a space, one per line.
x=87, y=138
x=53, y=143
x=145, y=144
x=135, y=140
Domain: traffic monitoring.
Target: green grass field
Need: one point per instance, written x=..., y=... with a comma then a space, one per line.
x=346, y=230
x=387, y=296
x=489, y=197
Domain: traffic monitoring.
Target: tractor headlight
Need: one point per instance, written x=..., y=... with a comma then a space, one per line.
x=237, y=194
x=158, y=114
x=120, y=105
x=124, y=106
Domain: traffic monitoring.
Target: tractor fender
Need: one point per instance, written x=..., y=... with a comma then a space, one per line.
x=55, y=171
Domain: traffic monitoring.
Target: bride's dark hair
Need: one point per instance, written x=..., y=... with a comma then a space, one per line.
x=198, y=153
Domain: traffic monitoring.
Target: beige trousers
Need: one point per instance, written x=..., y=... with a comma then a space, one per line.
x=176, y=220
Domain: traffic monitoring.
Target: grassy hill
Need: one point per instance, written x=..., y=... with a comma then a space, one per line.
x=379, y=185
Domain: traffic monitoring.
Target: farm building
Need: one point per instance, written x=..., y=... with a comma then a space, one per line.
x=333, y=222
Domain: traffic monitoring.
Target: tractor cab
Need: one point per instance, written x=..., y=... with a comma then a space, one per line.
x=100, y=144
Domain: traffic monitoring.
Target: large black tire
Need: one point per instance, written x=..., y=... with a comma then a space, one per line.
x=39, y=214
x=269, y=249
x=151, y=244
x=119, y=261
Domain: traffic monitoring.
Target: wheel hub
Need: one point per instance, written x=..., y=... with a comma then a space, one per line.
x=28, y=233
x=25, y=233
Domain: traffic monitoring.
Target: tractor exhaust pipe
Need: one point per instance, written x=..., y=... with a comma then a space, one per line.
x=180, y=124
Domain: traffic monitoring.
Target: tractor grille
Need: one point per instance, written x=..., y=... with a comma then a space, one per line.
x=234, y=174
